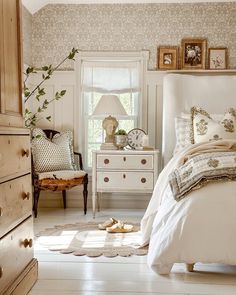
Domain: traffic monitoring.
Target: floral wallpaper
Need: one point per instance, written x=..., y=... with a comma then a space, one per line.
x=27, y=35
x=114, y=27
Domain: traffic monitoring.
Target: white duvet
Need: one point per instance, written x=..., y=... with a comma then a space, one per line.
x=199, y=228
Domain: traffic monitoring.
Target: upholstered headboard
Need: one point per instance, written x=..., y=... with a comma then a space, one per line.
x=214, y=92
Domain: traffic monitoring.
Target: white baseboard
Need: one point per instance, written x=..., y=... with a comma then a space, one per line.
x=75, y=200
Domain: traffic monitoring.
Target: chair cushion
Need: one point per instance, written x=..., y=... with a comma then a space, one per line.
x=54, y=154
x=62, y=174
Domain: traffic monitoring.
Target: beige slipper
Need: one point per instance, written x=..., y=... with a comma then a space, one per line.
x=108, y=223
x=120, y=227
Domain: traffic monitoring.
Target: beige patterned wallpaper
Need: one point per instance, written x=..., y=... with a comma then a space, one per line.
x=27, y=36
x=58, y=28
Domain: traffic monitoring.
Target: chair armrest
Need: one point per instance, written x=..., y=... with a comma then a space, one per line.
x=80, y=160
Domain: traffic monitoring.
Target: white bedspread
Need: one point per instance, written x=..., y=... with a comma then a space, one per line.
x=199, y=228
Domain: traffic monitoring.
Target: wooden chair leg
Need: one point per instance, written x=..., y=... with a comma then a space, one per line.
x=190, y=267
x=36, y=199
x=64, y=198
x=85, y=193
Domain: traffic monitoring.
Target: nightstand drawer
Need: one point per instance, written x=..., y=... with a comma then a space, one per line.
x=125, y=162
x=124, y=181
x=15, y=202
x=14, y=155
x=16, y=252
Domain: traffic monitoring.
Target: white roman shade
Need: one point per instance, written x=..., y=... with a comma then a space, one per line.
x=111, y=77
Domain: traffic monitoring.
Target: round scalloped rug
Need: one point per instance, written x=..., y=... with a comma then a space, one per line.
x=86, y=239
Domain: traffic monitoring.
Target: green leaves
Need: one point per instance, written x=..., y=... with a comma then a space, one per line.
x=59, y=95
x=72, y=53
x=38, y=92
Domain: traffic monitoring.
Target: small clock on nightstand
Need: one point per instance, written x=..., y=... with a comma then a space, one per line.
x=134, y=138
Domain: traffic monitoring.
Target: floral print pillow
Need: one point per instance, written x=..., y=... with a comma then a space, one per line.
x=204, y=128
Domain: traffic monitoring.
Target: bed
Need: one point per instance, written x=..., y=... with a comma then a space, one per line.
x=201, y=226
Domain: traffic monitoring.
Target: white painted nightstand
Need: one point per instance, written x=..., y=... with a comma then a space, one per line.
x=123, y=171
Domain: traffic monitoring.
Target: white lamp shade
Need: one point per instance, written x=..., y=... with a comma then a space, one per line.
x=109, y=105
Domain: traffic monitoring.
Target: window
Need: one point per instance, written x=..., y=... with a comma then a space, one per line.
x=120, y=77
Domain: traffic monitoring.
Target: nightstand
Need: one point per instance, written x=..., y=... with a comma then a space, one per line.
x=123, y=171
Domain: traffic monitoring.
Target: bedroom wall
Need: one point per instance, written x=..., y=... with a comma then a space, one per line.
x=27, y=36
x=57, y=28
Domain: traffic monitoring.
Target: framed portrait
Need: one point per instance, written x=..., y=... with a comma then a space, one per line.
x=217, y=58
x=168, y=57
x=194, y=53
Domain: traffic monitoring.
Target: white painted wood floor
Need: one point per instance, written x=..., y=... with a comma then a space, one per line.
x=61, y=274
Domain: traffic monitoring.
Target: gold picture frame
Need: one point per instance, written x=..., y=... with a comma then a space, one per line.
x=194, y=53
x=168, y=57
x=218, y=58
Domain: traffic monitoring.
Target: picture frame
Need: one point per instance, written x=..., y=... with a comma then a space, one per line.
x=194, y=52
x=217, y=58
x=168, y=57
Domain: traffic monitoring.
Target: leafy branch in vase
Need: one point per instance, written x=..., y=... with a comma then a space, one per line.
x=38, y=92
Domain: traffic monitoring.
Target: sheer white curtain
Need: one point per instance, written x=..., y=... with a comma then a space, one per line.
x=121, y=78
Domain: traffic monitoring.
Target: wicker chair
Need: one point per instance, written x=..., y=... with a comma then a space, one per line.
x=58, y=184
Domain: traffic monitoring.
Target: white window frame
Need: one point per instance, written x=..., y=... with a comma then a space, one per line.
x=140, y=56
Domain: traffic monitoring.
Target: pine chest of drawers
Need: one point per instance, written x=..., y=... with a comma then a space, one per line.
x=18, y=268
x=123, y=171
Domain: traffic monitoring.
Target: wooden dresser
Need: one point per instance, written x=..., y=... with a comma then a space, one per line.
x=18, y=268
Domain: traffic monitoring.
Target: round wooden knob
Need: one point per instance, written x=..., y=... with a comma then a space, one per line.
x=106, y=161
x=143, y=180
x=25, y=153
x=124, y=176
x=1, y=272
x=124, y=158
x=28, y=243
x=26, y=196
x=106, y=179
x=143, y=161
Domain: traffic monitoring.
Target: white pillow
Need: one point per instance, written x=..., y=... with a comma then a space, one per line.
x=182, y=131
x=54, y=154
x=204, y=128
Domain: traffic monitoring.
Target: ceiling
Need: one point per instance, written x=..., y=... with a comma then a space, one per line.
x=34, y=5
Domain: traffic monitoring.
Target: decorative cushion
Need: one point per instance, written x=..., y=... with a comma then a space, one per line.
x=54, y=154
x=204, y=128
x=182, y=131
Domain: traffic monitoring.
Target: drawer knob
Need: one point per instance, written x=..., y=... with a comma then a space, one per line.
x=124, y=176
x=27, y=243
x=124, y=158
x=1, y=212
x=143, y=179
x=1, y=272
x=106, y=179
x=25, y=153
x=26, y=196
x=106, y=161
x=143, y=161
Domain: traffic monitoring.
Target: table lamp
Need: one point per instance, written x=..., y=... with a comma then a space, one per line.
x=110, y=106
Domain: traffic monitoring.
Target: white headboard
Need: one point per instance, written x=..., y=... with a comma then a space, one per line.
x=214, y=92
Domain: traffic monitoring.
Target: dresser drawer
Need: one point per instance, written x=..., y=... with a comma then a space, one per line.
x=14, y=154
x=127, y=161
x=15, y=202
x=16, y=252
x=124, y=181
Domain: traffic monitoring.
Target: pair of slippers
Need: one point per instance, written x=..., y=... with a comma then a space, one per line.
x=115, y=226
